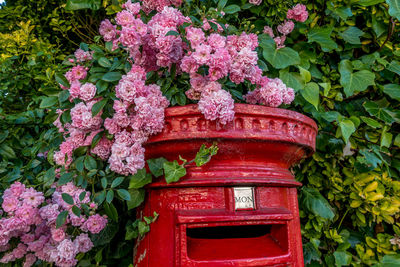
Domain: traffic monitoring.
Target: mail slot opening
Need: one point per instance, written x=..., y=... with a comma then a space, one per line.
x=223, y=232
x=237, y=242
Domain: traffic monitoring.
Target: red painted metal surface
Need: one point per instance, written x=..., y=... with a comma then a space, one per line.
x=198, y=224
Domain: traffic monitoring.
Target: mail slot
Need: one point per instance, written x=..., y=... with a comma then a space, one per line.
x=241, y=208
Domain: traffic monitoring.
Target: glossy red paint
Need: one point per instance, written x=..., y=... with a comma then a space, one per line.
x=198, y=224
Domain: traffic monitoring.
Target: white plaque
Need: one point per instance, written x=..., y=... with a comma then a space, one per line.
x=244, y=198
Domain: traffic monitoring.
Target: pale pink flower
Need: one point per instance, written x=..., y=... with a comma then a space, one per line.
x=67, y=250
x=95, y=223
x=108, y=30
x=83, y=243
x=124, y=18
x=87, y=91
x=58, y=235
x=82, y=56
x=217, y=105
x=286, y=28
x=195, y=36
x=32, y=197
x=134, y=8
x=30, y=259
x=10, y=204
x=268, y=30
x=255, y=2
x=298, y=13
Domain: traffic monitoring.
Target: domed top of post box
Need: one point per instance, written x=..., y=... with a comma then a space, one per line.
x=259, y=142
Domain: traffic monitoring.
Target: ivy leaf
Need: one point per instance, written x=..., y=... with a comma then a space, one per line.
x=342, y=258
x=291, y=79
x=204, y=155
x=354, y=81
x=311, y=93
x=394, y=8
x=137, y=197
x=371, y=122
x=352, y=35
x=83, y=4
x=61, y=218
x=381, y=113
x=369, y=2
x=347, y=128
x=278, y=58
x=314, y=202
x=392, y=90
x=139, y=179
x=311, y=251
x=322, y=36
x=156, y=166
x=173, y=171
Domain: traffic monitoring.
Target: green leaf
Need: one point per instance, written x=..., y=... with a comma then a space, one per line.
x=110, y=196
x=352, y=35
x=63, y=96
x=124, y=194
x=231, y=9
x=48, y=101
x=394, y=66
x=105, y=236
x=173, y=171
x=61, y=218
x=369, y=2
x=137, y=197
x=112, y=76
x=322, y=36
x=173, y=33
x=101, y=86
x=67, y=198
x=353, y=82
x=314, y=202
x=103, y=182
x=79, y=163
x=392, y=90
x=104, y=62
x=205, y=153
x=386, y=139
x=90, y=163
x=117, y=181
x=82, y=195
x=97, y=107
x=291, y=79
x=62, y=80
x=76, y=211
x=100, y=197
x=156, y=166
x=394, y=8
x=342, y=258
x=65, y=178
x=278, y=58
x=139, y=179
x=143, y=228
x=311, y=93
x=371, y=122
x=347, y=128
x=83, y=4
x=305, y=74
x=381, y=113
x=111, y=211
x=6, y=151
x=311, y=251
x=221, y=4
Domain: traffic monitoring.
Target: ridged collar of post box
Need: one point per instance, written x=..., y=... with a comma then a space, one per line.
x=261, y=144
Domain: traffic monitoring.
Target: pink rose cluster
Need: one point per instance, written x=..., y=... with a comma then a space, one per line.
x=32, y=219
x=298, y=13
x=271, y=92
x=205, y=55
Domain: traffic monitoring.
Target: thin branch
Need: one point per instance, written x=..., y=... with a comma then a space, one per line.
x=390, y=32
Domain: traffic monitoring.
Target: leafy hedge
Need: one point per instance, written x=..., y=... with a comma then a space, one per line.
x=344, y=63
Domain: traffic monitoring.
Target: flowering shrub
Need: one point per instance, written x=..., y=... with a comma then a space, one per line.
x=52, y=230
x=165, y=46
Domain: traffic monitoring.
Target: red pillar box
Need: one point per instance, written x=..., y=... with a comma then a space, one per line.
x=241, y=208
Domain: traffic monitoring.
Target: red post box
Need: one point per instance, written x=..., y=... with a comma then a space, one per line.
x=241, y=208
